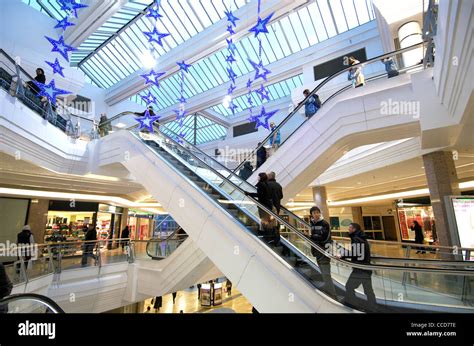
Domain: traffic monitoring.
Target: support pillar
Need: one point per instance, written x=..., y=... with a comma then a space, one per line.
x=442, y=181
x=37, y=218
x=357, y=216
x=320, y=200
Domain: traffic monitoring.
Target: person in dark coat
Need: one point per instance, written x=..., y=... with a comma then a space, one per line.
x=261, y=155
x=174, y=294
x=246, y=170
x=419, y=235
x=228, y=286
x=25, y=238
x=359, y=253
x=125, y=235
x=5, y=288
x=321, y=235
x=88, y=248
x=276, y=191
x=40, y=78
x=263, y=196
x=158, y=303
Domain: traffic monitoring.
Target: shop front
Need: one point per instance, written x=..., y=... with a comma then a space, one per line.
x=140, y=224
x=423, y=214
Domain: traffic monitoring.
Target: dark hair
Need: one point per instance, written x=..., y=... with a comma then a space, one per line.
x=313, y=209
x=40, y=69
x=416, y=223
x=356, y=226
x=306, y=91
x=263, y=176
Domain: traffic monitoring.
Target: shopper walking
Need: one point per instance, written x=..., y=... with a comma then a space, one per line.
x=390, y=67
x=275, y=139
x=312, y=105
x=24, y=240
x=228, y=286
x=158, y=303
x=89, y=244
x=321, y=235
x=174, y=294
x=246, y=170
x=125, y=237
x=199, y=291
x=359, y=253
x=104, y=125
x=419, y=235
x=40, y=78
x=355, y=74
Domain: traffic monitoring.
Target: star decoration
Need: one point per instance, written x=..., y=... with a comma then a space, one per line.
x=232, y=106
x=71, y=6
x=263, y=117
x=263, y=93
x=260, y=70
x=152, y=77
x=183, y=66
x=182, y=99
x=261, y=25
x=249, y=83
x=61, y=47
x=63, y=24
x=231, y=46
x=231, y=89
x=231, y=74
x=155, y=36
x=230, y=59
x=154, y=12
x=230, y=30
x=231, y=18
x=250, y=100
x=180, y=113
x=149, y=98
x=57, y=68
x=147, y=121
x=50, y=91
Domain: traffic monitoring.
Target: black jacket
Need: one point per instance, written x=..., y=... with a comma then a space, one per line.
x=320, y=234
x=419, y=236
x=125, y=233
x=261, y=155
x=263, y=194
x=24, y=237
x=91, y=234
x=359, y=244
x=246, y=171
x=276, y=193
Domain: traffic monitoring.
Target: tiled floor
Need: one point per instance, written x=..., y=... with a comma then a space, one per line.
x=187, y=301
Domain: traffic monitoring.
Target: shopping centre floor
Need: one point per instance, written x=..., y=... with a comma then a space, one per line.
x=188, y=302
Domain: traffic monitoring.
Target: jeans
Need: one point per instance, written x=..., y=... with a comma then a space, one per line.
x=324, y=264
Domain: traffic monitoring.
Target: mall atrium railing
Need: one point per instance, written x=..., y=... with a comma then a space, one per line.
x=327, y=92
x=14, y=79
x=29, y=303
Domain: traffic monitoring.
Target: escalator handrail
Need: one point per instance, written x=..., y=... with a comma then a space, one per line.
x=300, y=234
x=317, y=88
x=151, y=241
x=48, y=302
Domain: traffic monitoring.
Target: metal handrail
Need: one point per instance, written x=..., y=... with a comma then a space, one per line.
x=317, y=88
x=48, y=302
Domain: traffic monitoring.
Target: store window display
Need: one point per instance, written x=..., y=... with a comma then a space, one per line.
x=425, y=218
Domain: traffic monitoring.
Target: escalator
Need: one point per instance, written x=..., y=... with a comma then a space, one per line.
x=275, y=275
x=29, y=303
x=349, y=117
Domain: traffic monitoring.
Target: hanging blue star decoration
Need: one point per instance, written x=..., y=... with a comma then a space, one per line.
x=263, y=93
x=230, y=59
x=71, y=6
x=61, y=47
x=231, y=46
x=63, y=24
x=231, y=74
x=147, y=121
x=230, y=30
x=250, y=100
x=50, y=91
x=182, y=99
x=232, y=106
x=149, y=98
x=183, y=66
x=180, y=114
x=249, y=83
x=153, y=77
x=154, y=12
x=263, y=117
x=231, y=89
x=260, y=70
x=57, y=68
x=231, y=18
x=261, y=25
x=155, y=36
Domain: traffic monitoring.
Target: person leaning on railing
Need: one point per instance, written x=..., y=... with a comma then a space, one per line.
x=104, y=125
x=40, y=78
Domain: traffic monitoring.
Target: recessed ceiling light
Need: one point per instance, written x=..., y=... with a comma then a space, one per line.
x=359, y=183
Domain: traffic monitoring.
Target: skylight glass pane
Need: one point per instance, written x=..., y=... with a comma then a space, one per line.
x=339, y=16
x=350, y=13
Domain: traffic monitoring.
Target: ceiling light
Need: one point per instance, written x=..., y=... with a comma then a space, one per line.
x=148, y=60
x=226, y=101
x=120, y=125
